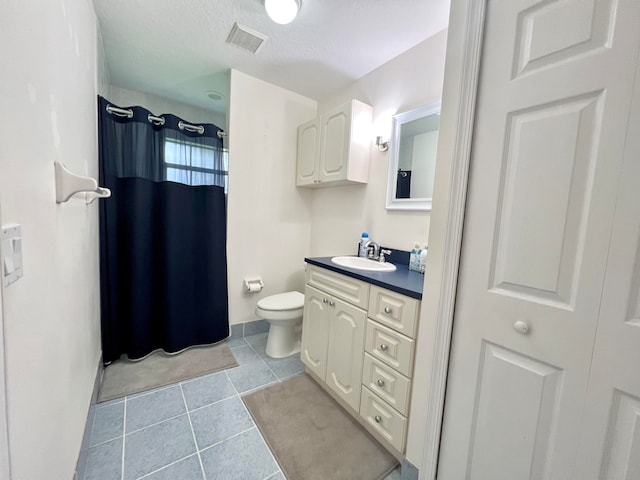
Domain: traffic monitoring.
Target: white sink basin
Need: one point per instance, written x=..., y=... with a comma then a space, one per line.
x=359, y=263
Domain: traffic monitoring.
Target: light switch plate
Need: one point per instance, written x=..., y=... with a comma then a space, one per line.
x=11, y=239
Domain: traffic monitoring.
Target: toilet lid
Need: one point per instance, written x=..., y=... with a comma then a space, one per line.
x=282, y=301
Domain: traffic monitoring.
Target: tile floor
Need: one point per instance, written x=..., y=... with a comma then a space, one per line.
x=193, y=430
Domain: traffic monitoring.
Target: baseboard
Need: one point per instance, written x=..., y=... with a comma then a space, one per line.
x=84, y=446
x=247, y=329
x=408, y=471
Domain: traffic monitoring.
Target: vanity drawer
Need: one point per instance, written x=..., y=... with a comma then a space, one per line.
x=394, y=310
x=393, y=387
x=384, y=419
x=345, y=288
x=390, y=347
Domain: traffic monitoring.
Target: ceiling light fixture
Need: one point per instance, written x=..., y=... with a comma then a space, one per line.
x=282, y=11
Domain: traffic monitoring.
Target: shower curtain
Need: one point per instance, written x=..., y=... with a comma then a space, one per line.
x=163, y=266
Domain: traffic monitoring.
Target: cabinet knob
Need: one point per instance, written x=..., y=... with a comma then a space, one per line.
x=387, y=310
x=384, y=347
x=378, y=418
x=521, y=327
x=380, y=383
x=331, y=304
x=325, y=300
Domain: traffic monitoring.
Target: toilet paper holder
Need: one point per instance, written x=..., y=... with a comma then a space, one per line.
x=253, y=285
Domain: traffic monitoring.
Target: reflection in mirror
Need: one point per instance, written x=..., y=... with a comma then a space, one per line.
x=412, y=158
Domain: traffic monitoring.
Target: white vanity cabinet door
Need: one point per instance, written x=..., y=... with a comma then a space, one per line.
x=315, y=331
x=346, y=345
x=308, y=153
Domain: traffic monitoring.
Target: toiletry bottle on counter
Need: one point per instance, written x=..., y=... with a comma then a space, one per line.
x=423, y=258
x=414, y=258
x=362, y=250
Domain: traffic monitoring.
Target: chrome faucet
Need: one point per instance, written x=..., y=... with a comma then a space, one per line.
x=371, y=245
x=375, y=252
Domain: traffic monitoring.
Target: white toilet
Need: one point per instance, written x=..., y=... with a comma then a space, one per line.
x=284, y=313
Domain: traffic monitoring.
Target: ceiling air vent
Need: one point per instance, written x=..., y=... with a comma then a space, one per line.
x=246, y=38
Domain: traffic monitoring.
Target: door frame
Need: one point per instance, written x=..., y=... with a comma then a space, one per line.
x=5, y=457
x=462, y=69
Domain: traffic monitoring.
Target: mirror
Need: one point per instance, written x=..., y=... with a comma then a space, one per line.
x=412, y=158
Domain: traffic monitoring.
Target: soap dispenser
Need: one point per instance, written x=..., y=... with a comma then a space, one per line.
x=423, y=258
x=414, y=258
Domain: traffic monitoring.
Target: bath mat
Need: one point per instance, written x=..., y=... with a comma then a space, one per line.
x=312, y=437
x=124, y=377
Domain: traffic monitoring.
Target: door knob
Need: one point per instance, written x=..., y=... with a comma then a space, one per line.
x=387, y=310
x=378, y=418
x=384, y=347
x=331, y=304
x=521, y=327
x=325, y=300
x=380, y=383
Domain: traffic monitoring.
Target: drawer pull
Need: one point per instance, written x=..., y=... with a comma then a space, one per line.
x=331, y=304
x=380, y=383
x=378, y=418
x=325, y=300
x=384, y=347
x=387, y=310
x=521, y=327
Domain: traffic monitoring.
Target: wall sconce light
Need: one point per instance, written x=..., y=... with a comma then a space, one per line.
x=383, y=146
x=282, y=11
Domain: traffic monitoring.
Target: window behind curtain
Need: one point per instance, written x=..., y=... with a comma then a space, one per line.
x=193, y=164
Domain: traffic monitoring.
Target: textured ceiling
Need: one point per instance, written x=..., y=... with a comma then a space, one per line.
x=177, y=48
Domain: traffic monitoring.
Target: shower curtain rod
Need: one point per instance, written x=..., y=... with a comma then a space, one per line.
x=126, y=112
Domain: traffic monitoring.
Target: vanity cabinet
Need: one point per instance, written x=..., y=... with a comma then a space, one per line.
x=359, y=340
x=388, y=359
x=333, y=333
x=334, y=148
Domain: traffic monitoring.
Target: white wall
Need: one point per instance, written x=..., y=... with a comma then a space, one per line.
x=341, y=214
x=51, y=315
x=425, y=147
x=159, y=105
x=269, y=219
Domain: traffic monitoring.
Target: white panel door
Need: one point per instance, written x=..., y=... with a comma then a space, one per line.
x=610, y=439
x=346, y=344
x=554, y=98
x=315, y=331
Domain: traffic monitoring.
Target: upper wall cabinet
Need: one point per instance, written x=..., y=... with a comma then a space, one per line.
x=333, y=149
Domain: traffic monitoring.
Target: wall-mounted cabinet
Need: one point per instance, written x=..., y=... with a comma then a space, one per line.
x=334, y=148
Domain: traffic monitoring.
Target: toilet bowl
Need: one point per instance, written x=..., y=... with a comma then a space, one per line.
x=284, y=314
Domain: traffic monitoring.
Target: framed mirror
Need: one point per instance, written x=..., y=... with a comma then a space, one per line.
x=412, y=158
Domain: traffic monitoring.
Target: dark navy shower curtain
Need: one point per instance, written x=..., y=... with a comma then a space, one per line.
x=163, y=262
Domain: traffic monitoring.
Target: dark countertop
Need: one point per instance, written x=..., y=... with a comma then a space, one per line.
x=402, y=280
